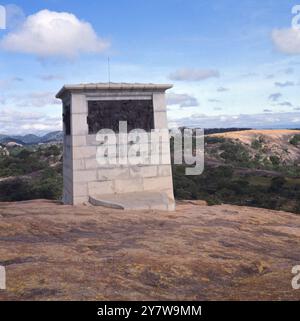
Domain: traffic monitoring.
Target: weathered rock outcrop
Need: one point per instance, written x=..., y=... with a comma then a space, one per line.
x=222, y=252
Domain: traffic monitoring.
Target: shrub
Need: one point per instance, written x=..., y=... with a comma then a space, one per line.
x=235, y=152
x=275, y=160
x=50, y=188
x=277, y=184
x=214, y=139
x=256, y=144
x=48, y=185
x=52, y=150
x=15, y=190
x=295, y=140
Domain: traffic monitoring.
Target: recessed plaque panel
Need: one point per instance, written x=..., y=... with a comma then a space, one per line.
x=67, y=119
x=106, y=114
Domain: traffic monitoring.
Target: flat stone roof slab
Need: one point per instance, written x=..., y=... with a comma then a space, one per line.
x=113, y=86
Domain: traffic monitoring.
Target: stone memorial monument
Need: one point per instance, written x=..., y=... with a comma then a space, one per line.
x=118, y=180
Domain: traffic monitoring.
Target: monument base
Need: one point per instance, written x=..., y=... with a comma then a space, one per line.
x=135, y=201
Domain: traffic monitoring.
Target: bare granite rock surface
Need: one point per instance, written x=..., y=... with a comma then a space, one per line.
x=59, y=252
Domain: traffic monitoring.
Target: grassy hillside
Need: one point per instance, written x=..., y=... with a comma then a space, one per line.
x=253, y=168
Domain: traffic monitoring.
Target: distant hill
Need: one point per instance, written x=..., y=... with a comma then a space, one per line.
x=8, y=139
x=57, y=136
x=266, y=144
x=247, y=136
x=27, y=139
x=208, y=131
x=32, y=139
x=52, y=137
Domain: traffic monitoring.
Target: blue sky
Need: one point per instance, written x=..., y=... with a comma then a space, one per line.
x=232, y=63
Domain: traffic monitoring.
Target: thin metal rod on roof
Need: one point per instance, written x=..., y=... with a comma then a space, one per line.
x=108, y=69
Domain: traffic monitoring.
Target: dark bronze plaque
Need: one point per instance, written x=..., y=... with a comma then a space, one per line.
x=67, y=119
x=108, y=113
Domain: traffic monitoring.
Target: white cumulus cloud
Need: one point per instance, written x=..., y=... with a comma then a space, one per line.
x=274, y=120
x=49, y=33
x=20, y=123
x=287, y=40
x=31, y=99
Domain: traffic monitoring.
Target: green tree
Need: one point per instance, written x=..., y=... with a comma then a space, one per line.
x=277, y=184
